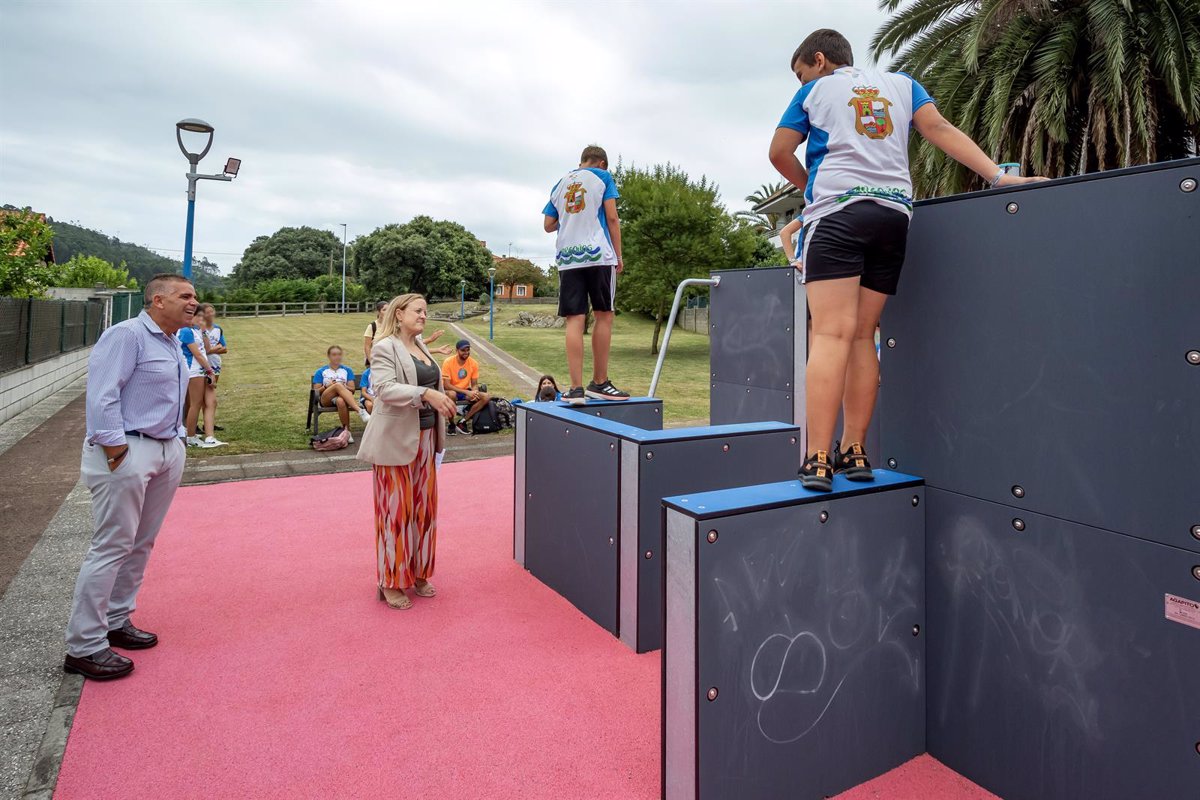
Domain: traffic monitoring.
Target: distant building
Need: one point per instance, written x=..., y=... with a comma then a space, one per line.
x=783, y=207
x=505, y=291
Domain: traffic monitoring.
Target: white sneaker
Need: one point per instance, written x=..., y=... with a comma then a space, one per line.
x=362, y=413
x=211, y=442
x=193, y=441
x=351, y=441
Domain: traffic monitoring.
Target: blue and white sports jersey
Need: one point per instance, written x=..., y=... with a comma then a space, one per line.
x=190, y=336
x=857, y=123
x=365, y=383
x=215, y=337
x=577, y=202
x=327, y=375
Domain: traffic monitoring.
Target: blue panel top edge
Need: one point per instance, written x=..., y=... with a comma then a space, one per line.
x=578, y=416
x=742, y=500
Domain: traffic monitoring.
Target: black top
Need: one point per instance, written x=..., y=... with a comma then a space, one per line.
x=427, y=377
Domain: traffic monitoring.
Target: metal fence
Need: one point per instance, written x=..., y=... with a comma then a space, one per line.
x=126, y=305
x=289, y=309
x=37, y=330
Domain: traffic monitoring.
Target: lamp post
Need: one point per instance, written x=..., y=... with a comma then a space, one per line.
x=462, y=301
x=491, y=303
x=230, y=172
x=343, y=268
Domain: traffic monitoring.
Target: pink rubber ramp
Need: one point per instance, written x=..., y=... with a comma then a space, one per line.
x=279, y=674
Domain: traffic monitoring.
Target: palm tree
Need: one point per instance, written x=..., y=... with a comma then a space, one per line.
x=763, y=223
x=1061, y=86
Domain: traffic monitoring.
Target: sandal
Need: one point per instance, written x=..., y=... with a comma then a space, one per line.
x=424, y=589
x=402, y=603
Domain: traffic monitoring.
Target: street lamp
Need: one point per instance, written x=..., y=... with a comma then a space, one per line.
x=192, y=125
x=462, y=301
x=491, y=303
x=343, y=268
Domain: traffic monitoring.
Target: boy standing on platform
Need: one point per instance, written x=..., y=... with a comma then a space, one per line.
x=858, y=201
x=583, y=209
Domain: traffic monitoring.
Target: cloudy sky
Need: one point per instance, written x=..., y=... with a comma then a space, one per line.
x=372, y=112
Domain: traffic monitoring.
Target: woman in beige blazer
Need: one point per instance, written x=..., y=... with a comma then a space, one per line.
x=402, y=440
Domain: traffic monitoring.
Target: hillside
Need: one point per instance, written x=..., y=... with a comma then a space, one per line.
x=141, y=262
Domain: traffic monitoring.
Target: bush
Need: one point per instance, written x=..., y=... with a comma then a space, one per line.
x=483, y=299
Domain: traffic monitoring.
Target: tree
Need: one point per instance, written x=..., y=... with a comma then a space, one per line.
x=24, y=244
x=423, y=255
x=84, y=272
x=302, y=252
x=764, y=223
x=1061, y=86
x=672, y=228
x=513, y=271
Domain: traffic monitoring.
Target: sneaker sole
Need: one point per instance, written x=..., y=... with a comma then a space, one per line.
x=577, y=401
x=816, y=484
x=860, y=474
x=602, y=396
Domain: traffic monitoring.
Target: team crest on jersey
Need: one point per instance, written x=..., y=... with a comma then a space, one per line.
x=871, y=116
x=574, y=197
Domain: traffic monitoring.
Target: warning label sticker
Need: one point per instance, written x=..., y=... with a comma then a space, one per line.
x=1180, y=609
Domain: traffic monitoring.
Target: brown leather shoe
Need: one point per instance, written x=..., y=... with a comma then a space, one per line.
x=131, y=638
x=102, y=666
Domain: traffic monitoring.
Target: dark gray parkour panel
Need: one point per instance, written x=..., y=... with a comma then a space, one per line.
x=691, y=460
x=1040, y=343
x=1054, y=669
x=794, y=657
x=571, y=491
x=641, y=412
x=731, y=403
x=753, y=339
x=587, y=484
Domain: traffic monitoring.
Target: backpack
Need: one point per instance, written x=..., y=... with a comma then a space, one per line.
x=335, y=439
x=486, y=421
x=506, y=415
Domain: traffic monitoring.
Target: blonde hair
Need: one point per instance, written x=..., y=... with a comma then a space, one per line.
x=388, y=326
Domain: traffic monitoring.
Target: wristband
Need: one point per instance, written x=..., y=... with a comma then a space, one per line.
x=996, y=179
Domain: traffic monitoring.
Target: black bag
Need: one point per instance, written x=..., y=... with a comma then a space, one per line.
x=486, y=421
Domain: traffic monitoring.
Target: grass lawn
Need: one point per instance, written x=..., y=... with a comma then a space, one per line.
x=684, y=384
x=265, y=377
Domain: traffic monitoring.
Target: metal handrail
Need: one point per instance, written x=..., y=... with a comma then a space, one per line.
x=662, y=351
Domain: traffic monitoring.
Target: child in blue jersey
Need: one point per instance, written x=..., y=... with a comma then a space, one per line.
x=334, y=384
x=193, y=340
x=583, y=210
x=368, y=394
x=858, y=200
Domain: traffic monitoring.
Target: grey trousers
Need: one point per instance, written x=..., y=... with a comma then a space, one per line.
x=128, y=507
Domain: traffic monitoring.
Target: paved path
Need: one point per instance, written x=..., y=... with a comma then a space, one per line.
x=519, y=374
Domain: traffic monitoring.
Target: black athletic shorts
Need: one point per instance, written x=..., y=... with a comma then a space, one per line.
x=577, y=286
x=864, y=239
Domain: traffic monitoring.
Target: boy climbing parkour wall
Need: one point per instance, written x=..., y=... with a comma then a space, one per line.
x=583, y=209
x=858, y=202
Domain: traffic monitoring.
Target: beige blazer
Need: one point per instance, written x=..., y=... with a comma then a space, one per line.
x=392, y=435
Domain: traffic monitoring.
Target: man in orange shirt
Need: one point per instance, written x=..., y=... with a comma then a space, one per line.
x=460, y=372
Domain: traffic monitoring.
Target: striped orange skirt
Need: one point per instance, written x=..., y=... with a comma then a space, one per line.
x=406, y=518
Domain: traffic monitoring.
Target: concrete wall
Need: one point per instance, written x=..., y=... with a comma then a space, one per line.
x=693, y=319
x=22, y=388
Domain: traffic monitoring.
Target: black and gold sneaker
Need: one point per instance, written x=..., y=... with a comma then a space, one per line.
x=852, y=462
x=817, y=472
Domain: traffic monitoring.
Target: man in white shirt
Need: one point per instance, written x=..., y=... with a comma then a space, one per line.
x=858, y=201
x=583, y=209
